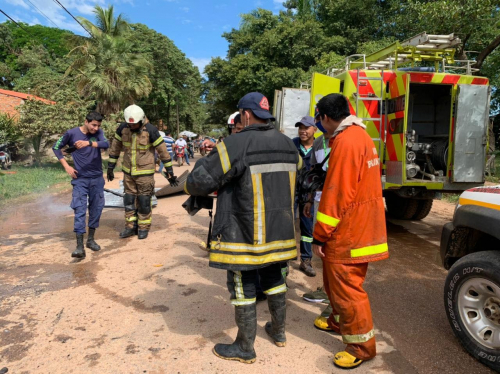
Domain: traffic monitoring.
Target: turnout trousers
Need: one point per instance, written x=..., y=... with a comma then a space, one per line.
x=351, y=315
x=306, y=233
x=137, y=200
x=241, y=284
x=85, y=190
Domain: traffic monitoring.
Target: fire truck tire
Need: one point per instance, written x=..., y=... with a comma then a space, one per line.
x=423, y=209
x=400, y=207
x=472, y=305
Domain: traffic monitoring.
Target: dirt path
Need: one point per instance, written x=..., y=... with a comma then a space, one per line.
x=155, y=306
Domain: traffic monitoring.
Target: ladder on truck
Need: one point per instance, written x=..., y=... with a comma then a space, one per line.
x=361, y=99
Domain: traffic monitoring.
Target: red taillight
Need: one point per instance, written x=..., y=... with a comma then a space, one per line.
x=2, y=153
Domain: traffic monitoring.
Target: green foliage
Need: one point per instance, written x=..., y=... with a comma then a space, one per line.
x=9, y=133
x=105, y=68
x=28, y=180
x=272, y=51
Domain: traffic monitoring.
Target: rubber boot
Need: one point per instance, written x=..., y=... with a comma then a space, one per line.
x=276, y=328
x=143, y=234
x=242, y=348
x=91, y=244
x=79, y=252
x=127, y=232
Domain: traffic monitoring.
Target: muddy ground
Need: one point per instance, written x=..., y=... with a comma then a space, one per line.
x=154, y=306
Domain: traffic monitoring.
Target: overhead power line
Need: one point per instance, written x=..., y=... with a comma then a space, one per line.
x=67, y=11
x=39, y=11
x=22, y=27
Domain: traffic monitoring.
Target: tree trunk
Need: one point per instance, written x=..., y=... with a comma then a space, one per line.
x=486, y=52
x=178, y=131
x=168, y=113
x=36, y=142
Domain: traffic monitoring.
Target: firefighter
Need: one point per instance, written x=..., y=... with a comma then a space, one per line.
x=138, y=139
x=254, y=173
x=85, y=145
x=350, y=230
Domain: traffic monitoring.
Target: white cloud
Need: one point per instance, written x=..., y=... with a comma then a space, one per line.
x=20, y=3
x=200, y=62
x=185, y=9
x=186, y=21
x=278, y=3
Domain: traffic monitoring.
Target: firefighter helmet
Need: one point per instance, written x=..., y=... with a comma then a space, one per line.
x=133, y=114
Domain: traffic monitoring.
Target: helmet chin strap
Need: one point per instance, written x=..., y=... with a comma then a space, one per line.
x=137, y=129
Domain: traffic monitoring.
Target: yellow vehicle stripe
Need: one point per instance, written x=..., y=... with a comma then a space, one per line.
x=370, y=250
x=330, y=221
x=396, y=140
x=224, y=158
x=437, y=78
x=359, y=338
x=253, y=260
x=401, y=85
x=463, y=201
x=157, y=141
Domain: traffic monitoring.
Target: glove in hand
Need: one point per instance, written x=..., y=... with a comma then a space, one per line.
x=173, y=181
x=111, y=175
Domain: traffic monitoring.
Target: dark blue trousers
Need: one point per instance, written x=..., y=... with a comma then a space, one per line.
x=306, y=233
x=91, y=190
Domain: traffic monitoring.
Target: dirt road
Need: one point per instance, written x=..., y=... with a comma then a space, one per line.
x=155, y=306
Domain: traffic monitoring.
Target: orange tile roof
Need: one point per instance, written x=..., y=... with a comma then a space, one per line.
x=25, y=96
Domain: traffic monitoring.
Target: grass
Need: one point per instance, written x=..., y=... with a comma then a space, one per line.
x=30, y=180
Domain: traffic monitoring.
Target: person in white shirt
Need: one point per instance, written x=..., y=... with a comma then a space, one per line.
x=182, y=143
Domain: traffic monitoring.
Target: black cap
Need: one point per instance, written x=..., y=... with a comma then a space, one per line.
x=306, y=121
x=258, y=103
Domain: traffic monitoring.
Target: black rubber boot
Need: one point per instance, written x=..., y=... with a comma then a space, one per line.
x=242, y=348
x=79, y=252
x=143, y=234
x=276, y=328
x=127, y=232
x=91, y=244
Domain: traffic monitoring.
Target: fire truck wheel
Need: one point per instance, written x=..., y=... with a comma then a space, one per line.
x=423, y=209
x=400, y=207
x=472, y=305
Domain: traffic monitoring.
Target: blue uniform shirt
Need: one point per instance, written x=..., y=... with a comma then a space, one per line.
x=88, y=161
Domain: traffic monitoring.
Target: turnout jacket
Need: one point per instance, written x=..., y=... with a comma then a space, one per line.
x=351, y=213
x=254, y=175
x=139, y=150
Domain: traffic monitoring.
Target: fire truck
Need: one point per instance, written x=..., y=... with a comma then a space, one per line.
x=425, y=111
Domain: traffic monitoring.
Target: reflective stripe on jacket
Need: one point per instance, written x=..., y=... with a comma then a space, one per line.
x=254, y=175
x=351, y=214
x=139, y=150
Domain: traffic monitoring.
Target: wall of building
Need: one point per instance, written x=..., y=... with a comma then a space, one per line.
x=8, y=104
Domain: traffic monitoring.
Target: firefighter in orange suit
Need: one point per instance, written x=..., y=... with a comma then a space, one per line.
x=350, y=230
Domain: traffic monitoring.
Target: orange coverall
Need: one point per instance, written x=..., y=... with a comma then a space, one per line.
x=351, y=225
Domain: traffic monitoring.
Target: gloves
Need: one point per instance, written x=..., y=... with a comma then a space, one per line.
x=111, y=175
x=172, y=179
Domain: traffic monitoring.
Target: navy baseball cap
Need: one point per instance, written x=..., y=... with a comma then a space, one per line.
x=306, y=121
x=258, y=103
x=316, y=113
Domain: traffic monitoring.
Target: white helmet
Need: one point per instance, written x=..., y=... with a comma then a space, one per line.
x=230, y=120
x=133, y=114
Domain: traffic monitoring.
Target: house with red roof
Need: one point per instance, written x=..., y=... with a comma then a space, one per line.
x=9, y=100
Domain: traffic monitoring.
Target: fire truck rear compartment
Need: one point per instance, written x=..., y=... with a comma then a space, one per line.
x=429, y=120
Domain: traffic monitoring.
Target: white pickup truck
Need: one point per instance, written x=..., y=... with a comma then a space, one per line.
x=470, y=249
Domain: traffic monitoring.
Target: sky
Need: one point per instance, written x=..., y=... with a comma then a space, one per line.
x=195, y=26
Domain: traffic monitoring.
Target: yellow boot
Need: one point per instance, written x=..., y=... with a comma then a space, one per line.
x=322, y=323
x=345, y=360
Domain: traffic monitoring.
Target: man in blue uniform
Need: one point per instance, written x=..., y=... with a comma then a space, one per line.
x=85, y=145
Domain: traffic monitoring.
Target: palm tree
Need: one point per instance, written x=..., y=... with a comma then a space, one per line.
x=104, y=67
x=106, y=23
